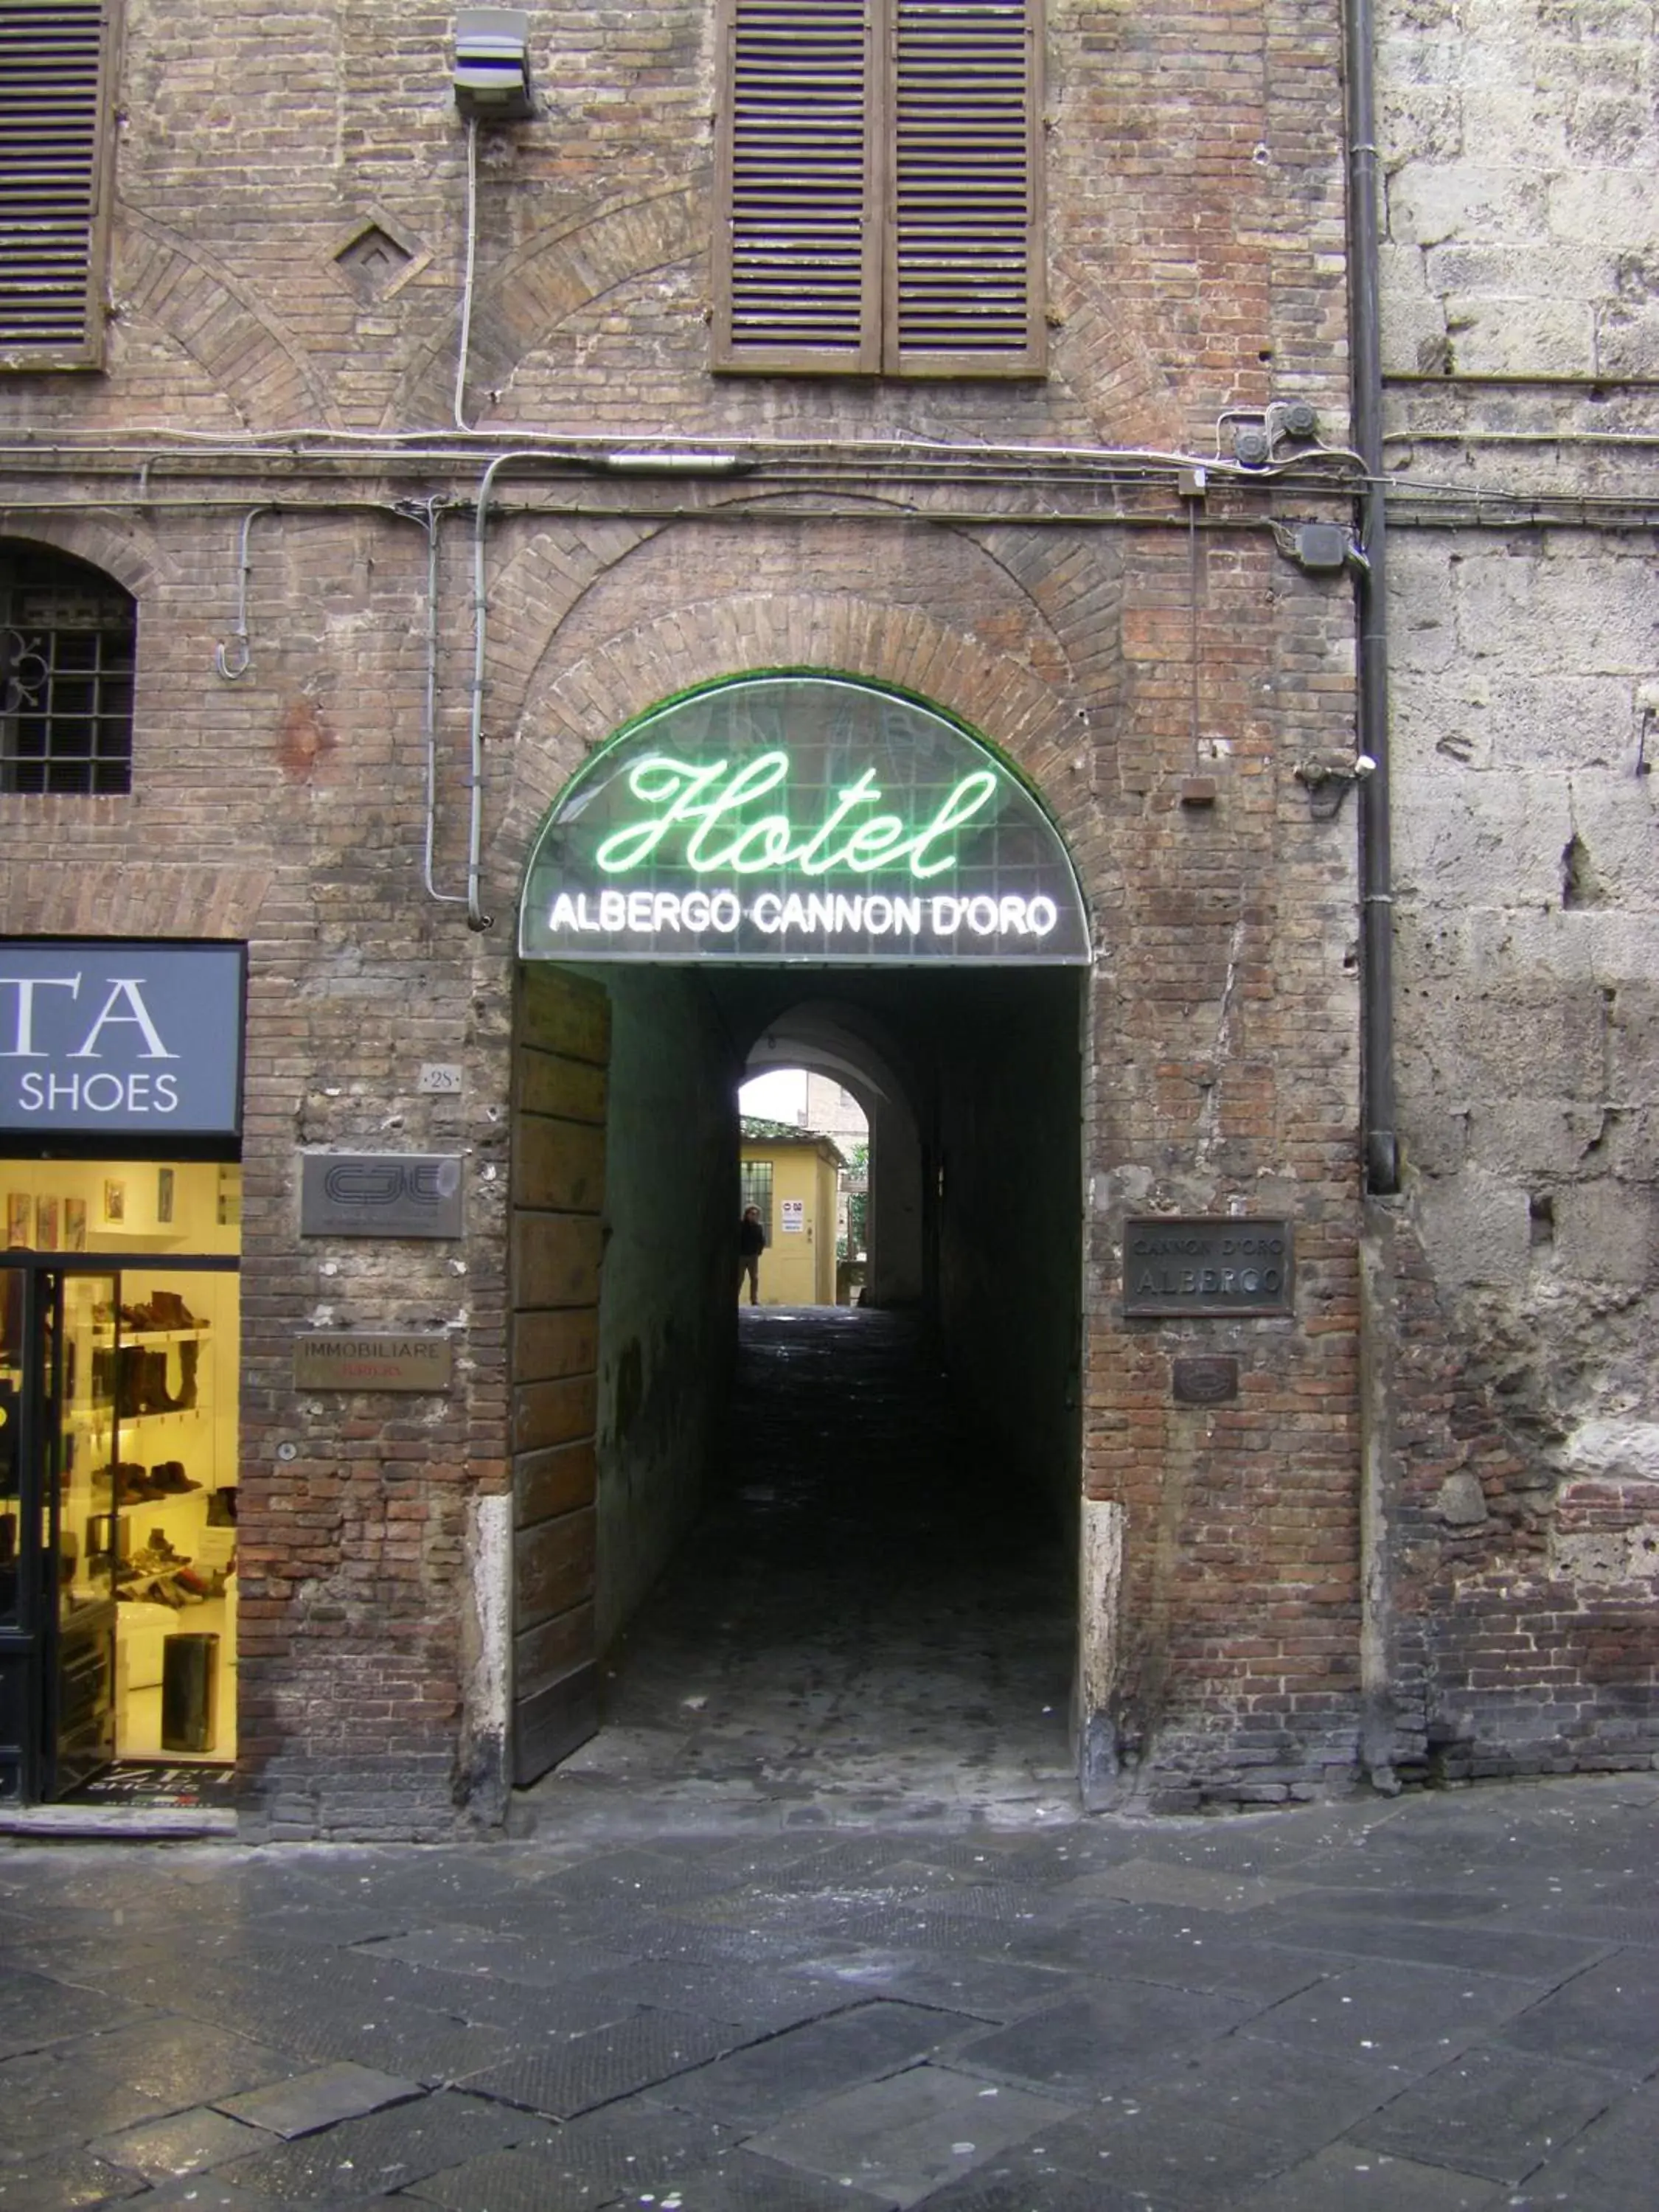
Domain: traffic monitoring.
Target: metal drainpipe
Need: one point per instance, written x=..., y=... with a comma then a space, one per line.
x=1382, y=1144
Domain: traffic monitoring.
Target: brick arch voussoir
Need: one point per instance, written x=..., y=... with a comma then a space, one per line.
x=552, y=277
x=120, y=549
x=140, y=899
x=251, y=359
x=1106, y=366
x=579, y=706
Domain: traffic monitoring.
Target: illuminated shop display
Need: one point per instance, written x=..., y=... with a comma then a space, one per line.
x=783, y=818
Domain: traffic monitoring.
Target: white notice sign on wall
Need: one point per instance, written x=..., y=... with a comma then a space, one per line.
x=794, y=1215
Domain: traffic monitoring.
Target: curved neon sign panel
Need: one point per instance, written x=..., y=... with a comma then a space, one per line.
x=800, y=818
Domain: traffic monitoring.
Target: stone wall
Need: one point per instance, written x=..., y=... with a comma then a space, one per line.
x=1523, y=236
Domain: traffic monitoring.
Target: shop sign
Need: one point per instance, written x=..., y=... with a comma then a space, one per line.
x=380, y=1194
x=120, y=1039
x=1214, y=1266
x=801, y=818
x=373, y=1363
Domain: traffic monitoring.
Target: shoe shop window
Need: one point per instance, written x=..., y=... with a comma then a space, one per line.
x=118, y=1462
x=67, y=638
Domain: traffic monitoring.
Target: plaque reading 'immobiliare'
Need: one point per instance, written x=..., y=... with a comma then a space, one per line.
x=373, y=1363
x=1175, y=1264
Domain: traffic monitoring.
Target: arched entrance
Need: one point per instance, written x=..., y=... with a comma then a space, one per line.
x=844, y=872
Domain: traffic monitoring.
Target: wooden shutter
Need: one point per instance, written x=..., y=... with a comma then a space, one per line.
x=52, y=108
x=964, y=289
x=797, y=284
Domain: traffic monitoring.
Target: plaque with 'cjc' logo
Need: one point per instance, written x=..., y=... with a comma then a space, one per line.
x=380, y=1194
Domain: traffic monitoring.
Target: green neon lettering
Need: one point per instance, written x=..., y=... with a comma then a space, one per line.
x=813, y=858
x=654, y=779
x=702, y=801
x=960, y=807
x=761, y=775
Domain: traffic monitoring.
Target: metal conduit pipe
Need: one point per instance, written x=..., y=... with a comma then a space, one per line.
x=1380, y=1140
x=431, y=514
x=475, y=917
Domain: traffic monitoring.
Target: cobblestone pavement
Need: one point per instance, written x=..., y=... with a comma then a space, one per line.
x=815, y=1923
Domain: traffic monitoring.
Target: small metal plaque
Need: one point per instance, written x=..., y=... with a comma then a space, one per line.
x=1204, y=1381
x=380, y=1194
x=1207, y=1265
x=340, y=1362
x=440, y=1078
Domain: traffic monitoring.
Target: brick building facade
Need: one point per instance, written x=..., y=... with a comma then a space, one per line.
x=331, y=379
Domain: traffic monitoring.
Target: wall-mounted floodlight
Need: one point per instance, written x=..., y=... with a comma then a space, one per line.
x=492, y=65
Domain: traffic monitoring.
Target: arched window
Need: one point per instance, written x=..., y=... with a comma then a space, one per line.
x=67, y=635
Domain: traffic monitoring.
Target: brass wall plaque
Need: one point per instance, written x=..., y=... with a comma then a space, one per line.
x=1204, y=1381
x=341, y=1362
x=1214, y=1265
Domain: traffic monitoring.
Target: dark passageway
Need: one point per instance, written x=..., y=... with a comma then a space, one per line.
x=864, y=1623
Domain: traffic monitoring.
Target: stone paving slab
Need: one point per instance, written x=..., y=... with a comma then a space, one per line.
x=307, y=2102
x=755, y=2088
x=1610, y=2167
x=1496, y=2112
x=37, y=2011
x=47, y=2103
x=1113, y=2034
x=984, y=1988
x=1608, y=2015
x=64, y=2180
x=584, y=2071
x=1411, y=2015
x=1360, y=2181
x=384, y=2151
x=185, y=2142
x=903, y=2137
x=1516, y=1953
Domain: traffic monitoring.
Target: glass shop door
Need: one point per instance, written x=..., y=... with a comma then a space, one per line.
x=57, y=1435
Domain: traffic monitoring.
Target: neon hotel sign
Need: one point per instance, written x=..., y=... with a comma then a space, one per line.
x=807, y=848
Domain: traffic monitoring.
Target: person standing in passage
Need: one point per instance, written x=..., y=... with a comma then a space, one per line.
x=751, y=1242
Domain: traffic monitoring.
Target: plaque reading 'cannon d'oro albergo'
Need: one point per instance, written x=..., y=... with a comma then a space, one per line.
x=381, y=1362
x=1206, y=1266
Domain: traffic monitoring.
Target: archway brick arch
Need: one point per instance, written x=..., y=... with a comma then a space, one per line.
x=122, y=549
x=583, y=703
x=247, y=354
x=554, y=276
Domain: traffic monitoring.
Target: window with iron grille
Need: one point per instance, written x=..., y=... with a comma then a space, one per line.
x=880, y=188
x=54, y=68
x=754, y=1189
x=67, y=635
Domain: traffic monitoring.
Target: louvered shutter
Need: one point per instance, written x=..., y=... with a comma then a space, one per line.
x=963, y=276
x=51, y=126
x=799, y=286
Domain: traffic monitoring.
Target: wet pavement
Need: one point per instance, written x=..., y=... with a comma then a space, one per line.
x=1448, y=2001
x=815, y=1923
x=868, y=1621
